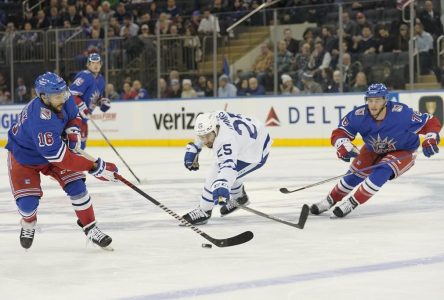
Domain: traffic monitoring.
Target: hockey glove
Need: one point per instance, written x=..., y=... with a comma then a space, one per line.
x=83, y=110
x=73, y=138
x=221, y=192
x=430, y=144
x=345, y=150
x=104, y=171
x=191, y=157
x=104, y=104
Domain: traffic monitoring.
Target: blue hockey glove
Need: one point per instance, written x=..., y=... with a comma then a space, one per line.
x=191, y=157
x=104, y=171
x=104, y=104
x=221, y=192
x=430, y=144
x=345, y=150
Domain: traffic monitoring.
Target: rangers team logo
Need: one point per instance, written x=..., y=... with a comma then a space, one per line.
x=272, y=119
x=45, y=114
x=360, y=112
x=382, y=146
x=78, y=81
x=397, y=108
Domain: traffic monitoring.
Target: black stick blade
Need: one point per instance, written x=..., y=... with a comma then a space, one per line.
x=284, y=190
x=232, y=241
x=304, y=216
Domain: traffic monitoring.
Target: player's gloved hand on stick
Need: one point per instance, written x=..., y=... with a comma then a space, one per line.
x=190, y=159
x=221, y=192
x=430, y=144
x=73, y=138
x=104, y=104
x=345, y=150
x=104, y=170
x=83, y=110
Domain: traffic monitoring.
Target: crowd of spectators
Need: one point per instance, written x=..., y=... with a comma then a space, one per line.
x=304, y=66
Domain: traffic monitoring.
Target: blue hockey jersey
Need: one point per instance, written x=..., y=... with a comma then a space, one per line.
x=398, y=131
x=89, y=88
x=36, y=138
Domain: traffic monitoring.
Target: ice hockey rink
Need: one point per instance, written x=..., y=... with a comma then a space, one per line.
x=390, y=248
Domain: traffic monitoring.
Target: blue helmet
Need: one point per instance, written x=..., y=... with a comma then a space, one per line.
x=94, y=57
x=376, y=90
x=49, y=83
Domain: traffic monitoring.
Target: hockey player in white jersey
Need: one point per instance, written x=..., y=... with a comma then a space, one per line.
x=241, y=145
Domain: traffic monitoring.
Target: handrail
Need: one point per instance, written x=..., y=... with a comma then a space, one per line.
x=439, y=51
x=403, y=10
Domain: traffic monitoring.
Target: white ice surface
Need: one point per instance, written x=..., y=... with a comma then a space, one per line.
x=390, y=248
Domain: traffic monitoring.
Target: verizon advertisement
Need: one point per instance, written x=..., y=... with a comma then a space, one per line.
x=292, y=121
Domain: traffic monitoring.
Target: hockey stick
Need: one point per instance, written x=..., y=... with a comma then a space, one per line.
x=112, y=147
x=302, y=217
x=263, y=5
x=287, y=191
x=231, y=241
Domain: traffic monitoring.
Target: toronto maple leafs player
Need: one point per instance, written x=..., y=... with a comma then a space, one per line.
x=88, y=89
x=45, y=140
x=240, y=145
x=391, y=134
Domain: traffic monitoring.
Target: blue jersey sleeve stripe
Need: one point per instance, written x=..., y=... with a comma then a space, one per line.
x=59, y=156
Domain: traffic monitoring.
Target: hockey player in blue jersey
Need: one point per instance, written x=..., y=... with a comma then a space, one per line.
x=45, y=140
x=391, y=134
x=88, y=89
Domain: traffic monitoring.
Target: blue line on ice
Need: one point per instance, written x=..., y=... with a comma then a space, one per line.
x=260, y=283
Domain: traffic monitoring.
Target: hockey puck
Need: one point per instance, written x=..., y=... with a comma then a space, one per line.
x=207, y=245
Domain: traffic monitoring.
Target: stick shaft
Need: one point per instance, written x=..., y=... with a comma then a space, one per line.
x=263, y=5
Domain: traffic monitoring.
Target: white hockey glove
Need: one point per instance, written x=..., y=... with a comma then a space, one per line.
x=345, y=150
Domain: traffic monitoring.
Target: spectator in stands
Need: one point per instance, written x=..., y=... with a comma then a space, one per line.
x=284, y=58
x=337, y=82
x=95, y=25
x=6, y=41
x=360, y=84
x=54, y=18
x=431, y=20
x=255, y=88
x=300, y=63
x=72, y=16
x=111, y=92
x=154, y=11
x=133, y=45
x=209, y=23
x=424, y=44
x=386, y=43
x=165, y=90
x=195, y=21
x=28, y=17
x=329, y=38
x=163, y=24
x=243, y=88
x=176, y=91
x=145, y=19
x=140, y=92
x=327, y=81
x=309, y=85
x=105, y=13
x=114, y=24
x=128, y=23
x=41, y=20
x=187, y=89
x=5, y=97
x=226, y=88
x=204, y=87
x=127, y=93
x=291, y=43
x=362, y=21
x=174, y=74
x=90, y=13
x=146, y=37
x=348, y=72
x=402, y=40
x=263, y=64
x=319, y=59
x=308, y=37
x=287, y=86
x=171, y=9
x=351, y=28
x=120, y=12
x=21, y=91
x=4, y=86
x=192, y=52
x=365, y=43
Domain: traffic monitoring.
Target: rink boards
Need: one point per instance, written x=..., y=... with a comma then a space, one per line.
x=292, y=121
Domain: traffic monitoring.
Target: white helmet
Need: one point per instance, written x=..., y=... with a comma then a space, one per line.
x=205, y=123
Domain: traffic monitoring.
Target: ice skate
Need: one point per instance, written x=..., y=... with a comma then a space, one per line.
x=322, y=206
x=27, y=233
x=230, y=206
x=197, y=216
x=95, y=235
x=345, y=207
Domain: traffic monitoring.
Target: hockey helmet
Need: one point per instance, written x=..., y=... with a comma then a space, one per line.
x=205, y=123
x=94, y=57
x=376, y=90
x=50, y=83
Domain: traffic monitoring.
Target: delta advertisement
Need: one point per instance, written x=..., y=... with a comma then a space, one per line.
x=291, y=121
